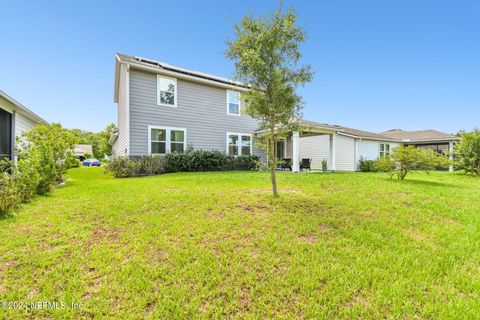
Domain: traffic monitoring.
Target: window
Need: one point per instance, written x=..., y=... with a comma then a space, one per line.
x=233, y=103
x=166, y=91
x=165, y=140
x=239, y=144
x=280, y=149
x=384, y=150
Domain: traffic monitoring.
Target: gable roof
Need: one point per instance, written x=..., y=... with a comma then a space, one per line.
x=174, y=71
x=22, y=108
x=419, y=135
x=362, y=134
x=81, y=149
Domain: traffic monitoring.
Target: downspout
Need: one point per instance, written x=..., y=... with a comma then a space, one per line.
x=127, y=107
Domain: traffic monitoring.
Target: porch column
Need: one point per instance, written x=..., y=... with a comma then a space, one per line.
x=450, y=150
x=296, y=152
x=355, y=164
x=333, y=161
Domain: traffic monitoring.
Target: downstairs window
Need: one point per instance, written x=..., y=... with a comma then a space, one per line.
x=164, y=140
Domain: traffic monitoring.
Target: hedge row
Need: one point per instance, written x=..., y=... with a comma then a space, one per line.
x=194, y=161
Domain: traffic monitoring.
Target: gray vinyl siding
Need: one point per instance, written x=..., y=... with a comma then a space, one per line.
x=121, y=144
x=201, y=109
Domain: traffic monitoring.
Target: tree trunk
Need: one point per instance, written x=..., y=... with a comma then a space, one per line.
x=273, y=161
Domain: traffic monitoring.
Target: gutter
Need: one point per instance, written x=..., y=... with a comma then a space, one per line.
x=180, y=75
x=22, y=108
x=368, y=138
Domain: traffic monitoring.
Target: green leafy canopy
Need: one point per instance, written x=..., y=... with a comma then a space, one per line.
x=266, y=53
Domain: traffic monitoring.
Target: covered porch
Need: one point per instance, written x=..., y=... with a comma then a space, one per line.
x=445, y=147
x=295, y=146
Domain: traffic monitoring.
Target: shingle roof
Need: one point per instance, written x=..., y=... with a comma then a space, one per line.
x=165, y=66
x=419, y=136
x=81, y=149
x=349, y=131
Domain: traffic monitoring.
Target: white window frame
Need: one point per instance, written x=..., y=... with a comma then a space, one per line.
x=239, y=135
x=167, y=138
x=175, y=93
x=384, y=149
x=239, y=104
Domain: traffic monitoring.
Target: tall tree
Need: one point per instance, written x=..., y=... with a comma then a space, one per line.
x=100, y=141
x=104, y=140
x=266, y=55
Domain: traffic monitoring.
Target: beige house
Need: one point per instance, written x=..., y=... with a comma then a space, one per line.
x=15, y=119
x=83, y=149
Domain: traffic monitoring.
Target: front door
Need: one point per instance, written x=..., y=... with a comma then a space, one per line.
x=5, y=134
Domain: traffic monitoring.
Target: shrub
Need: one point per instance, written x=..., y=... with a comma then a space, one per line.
x=193, y=161
x=365, y=165
x=404, y=159
x=44, y=153
x=72, y=162
x=53, y=145
x=27, y=175
x=18, y=183
x=467, y=152
x=8, y=193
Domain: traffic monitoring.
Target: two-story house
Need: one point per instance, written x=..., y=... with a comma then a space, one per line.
x=163, y=109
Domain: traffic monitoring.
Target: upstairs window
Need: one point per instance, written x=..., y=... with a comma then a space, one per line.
x=164, y=140
x=233, y=103
x=384, y=150
x=239, y=144
x=166, y=91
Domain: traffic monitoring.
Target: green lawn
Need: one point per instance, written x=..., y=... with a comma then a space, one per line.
x=211, y=245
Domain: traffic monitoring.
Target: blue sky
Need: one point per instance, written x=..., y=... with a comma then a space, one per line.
x=412, y=64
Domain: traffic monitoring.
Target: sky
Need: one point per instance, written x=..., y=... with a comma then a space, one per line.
x=410, y=64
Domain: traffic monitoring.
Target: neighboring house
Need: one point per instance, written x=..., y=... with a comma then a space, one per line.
x=432, y=139
x=162, y=109
x=82, y=149
x=15, y=118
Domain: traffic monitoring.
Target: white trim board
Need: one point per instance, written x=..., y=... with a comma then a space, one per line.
x=167, y=137
x=175, y=93
x=239, y=104
x=239, y=134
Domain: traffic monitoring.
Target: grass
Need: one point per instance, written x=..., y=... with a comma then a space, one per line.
x=211, y=245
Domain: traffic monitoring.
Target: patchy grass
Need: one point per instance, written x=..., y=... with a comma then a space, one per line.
x=211, y=245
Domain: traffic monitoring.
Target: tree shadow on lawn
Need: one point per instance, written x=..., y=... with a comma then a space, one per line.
x=429, y=183
x=9, y=216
